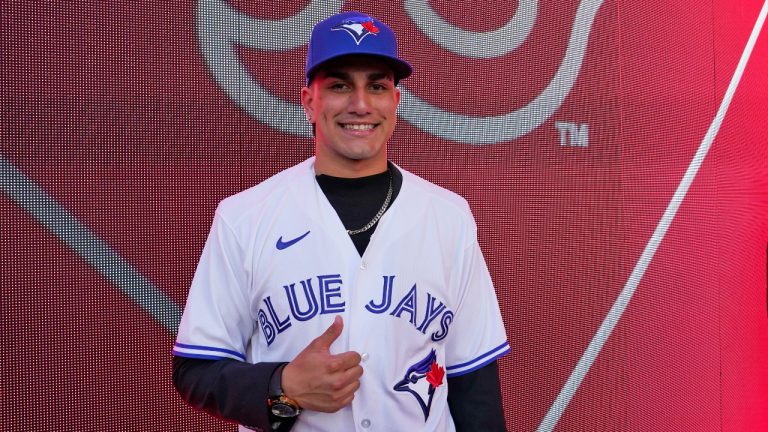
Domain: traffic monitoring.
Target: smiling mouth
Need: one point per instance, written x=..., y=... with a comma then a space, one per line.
x=358, y=127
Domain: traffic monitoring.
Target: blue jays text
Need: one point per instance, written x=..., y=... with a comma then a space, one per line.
x=327, y=300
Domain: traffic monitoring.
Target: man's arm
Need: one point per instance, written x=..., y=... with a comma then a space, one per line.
x=228, y=389
x=475, y=400
x=237, y=391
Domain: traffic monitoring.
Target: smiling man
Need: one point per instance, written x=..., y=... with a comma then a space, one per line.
x=352, y=101
x=344, y=293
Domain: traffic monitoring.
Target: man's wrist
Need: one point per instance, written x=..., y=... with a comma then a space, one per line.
x=280, y=405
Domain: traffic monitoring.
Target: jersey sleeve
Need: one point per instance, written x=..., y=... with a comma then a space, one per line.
x=477, y=335
x=216, y=323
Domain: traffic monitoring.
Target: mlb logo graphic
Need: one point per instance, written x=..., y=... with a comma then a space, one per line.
x=358, y=30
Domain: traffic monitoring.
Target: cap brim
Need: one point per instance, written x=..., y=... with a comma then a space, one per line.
x=401, y=68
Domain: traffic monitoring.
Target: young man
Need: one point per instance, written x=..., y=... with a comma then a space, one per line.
x=344, y=293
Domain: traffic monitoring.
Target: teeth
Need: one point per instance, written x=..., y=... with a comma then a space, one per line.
x=360, y=127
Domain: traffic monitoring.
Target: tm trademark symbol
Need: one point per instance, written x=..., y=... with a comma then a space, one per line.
x=573, y=134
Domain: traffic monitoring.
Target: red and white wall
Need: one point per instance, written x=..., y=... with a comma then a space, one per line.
x=615, y=155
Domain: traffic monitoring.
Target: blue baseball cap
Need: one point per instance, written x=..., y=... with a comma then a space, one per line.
x=353, y=33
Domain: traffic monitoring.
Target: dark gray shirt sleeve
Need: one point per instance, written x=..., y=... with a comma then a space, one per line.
x=475, y=400
x=227, y=389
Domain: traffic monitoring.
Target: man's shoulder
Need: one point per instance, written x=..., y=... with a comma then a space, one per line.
x=426, y=191
x=257, y=198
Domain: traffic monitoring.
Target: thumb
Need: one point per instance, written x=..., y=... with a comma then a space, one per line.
x=329, y=335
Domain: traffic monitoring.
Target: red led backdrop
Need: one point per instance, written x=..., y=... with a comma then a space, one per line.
x=615, y=155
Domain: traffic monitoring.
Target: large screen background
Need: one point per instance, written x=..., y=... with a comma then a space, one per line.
x=614, y=155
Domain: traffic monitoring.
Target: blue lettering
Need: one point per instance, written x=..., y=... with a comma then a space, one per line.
x=432, y=313
x=328, y=291
x=281, y=325
x=266, y=327
x=408, y=305
x=309, y=295
x=445, y=322
x=386, y=297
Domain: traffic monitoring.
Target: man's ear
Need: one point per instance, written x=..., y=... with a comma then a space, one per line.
x=307, y=96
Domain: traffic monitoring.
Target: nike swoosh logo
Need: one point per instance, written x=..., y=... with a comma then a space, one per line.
x=282, y=245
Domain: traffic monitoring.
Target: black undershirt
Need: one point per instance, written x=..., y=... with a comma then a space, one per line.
x=357, y=200
x=233, y=390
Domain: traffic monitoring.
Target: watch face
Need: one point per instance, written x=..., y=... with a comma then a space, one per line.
x=284, y=410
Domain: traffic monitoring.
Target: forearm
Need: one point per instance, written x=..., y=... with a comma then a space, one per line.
x=475, y=400
x=227, y=389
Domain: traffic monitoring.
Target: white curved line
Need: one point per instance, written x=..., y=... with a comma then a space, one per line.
x=284, y=34
x=471, y=44
x=506, y=127
x=617, y=310
x=220, y=28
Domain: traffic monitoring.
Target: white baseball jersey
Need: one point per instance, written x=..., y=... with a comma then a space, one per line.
x=419, y=305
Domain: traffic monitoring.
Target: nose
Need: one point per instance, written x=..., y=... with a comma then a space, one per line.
x=360, y=102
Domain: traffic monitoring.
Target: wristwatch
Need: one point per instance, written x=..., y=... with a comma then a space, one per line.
x=279, y=404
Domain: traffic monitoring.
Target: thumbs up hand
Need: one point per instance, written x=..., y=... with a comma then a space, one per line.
x=319, y=380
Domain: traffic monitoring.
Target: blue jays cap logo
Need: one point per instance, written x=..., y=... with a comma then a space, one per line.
x=421, y=380
x=357, y=29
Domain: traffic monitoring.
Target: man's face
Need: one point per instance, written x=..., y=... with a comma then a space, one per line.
x=353, y=105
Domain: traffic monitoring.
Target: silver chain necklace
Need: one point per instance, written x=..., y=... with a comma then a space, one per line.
x=379, y=214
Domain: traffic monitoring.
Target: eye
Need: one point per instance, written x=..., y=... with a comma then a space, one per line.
x=378, y=87
x=338, y=86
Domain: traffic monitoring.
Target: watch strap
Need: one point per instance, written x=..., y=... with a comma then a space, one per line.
x=279, y=404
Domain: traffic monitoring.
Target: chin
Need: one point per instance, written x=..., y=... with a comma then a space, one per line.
x=363, y=154
x=361, y=157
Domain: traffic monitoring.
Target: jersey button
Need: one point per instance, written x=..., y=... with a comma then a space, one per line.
x=362, y=265
x=365, y=423
x=364, y=356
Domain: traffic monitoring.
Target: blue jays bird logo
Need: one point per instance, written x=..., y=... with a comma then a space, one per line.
x=358, y=30
x=421, y=380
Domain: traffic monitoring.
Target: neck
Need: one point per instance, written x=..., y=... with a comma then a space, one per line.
x=350, y=168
